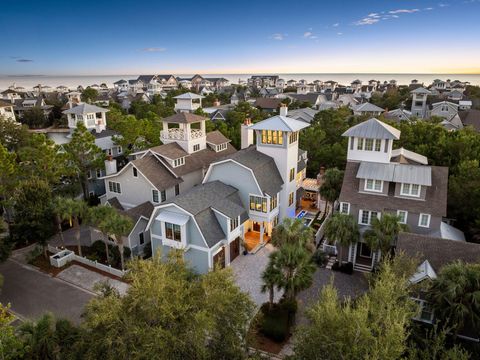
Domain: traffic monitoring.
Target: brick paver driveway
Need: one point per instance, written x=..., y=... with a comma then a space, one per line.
x=248, y=274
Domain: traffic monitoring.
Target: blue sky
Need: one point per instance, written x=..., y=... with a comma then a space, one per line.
x=131, y=37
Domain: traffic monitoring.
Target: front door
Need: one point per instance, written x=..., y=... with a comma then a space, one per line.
x=365, y=251
x=234, y=249
x=256, y=226
x=219, y=259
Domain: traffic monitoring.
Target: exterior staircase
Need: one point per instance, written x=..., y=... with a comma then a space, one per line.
x=331, y=261
x=362, y=268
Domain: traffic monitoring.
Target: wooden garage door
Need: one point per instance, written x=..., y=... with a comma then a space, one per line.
x=234, y=249
x=219, y=258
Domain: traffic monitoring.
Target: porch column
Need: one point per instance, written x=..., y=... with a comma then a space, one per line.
x=262, y=229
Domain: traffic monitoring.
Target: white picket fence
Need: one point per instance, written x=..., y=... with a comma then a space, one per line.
x=106, y=268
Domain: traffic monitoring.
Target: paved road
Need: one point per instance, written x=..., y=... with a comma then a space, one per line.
x=32, y=293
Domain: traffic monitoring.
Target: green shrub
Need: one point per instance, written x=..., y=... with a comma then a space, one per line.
x=320, y=257
x=147, y=251
x=277, y=319
x=32, y=255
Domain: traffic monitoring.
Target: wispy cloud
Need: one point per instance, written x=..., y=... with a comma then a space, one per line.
x=443, y=5
x=278, y=36
x=339, y=33
x=404, y=11
x=24, y=60
x=376, y=17
x=154, y=49
x=309, y=35
x=336, y=25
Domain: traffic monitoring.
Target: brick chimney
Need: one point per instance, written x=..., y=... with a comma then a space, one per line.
x=216, y=102
x=320, y=174
x=110, y=165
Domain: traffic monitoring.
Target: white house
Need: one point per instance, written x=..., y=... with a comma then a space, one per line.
x=367, y=109
x=188, y=102
x=6, y=110
x=93, y=117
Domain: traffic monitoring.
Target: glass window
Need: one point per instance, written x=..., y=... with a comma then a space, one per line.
x=360, y=144
x=345, y=208
x=172, y=232
x=290, y=198
x=273, y=202
x=164, y=195
x=424, y=220
x=410, y=190
x=234, y=223
x=378, y=144
x=114, y=187
x=292, y=174
x=141, y=238
x=155, y=196
x=258, y=203
x=135, y=172
x=373, y=185
x=369, y=144
x=402, y=216
x=177, y=189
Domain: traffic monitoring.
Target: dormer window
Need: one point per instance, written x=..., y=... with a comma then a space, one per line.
x=293, y=137
x=369, y=144
x=410, y=190
x=220, y=147
x=373, y=185
x=179, y=162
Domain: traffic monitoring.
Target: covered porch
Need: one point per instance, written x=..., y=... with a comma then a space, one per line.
x=257, y=234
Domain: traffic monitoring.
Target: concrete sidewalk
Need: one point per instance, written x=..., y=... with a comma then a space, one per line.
x=87, y=279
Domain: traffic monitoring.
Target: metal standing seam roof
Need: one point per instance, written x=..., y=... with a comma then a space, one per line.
x=189, y=96
x=85, y=108
x=368, y=107
x=398, y=173
x=373, y=129
x=281, y=123
x=421, y=90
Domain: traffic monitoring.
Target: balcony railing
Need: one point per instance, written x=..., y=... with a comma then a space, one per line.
x=180, y=134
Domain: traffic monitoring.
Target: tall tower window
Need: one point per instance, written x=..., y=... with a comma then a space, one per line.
x=272, y=137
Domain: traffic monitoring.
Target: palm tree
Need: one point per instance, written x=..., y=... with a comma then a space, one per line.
x=384, y=232
x=296, y=268
x=112, y=224
x=292, y=231
x=331, y=187
x=271, y=278
x=455, y=296
x=71, y=210
x=342, y=229
x=40, y=338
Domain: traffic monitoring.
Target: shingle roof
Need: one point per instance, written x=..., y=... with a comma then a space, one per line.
x=85, y=108
x=438, y=252
x=470, y=118
x=5, y=104
x=156, y=172
x=267, y=103
x=145, y=209
x=312, y=98
x=305, y=114
x=104, y=133
x=200, y=202
x=435, y=200
x=263, y=167
x=216, y=138
x=171, y=151
x=373, y=129
x=184, y=118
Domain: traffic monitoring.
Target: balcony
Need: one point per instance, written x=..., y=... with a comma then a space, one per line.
x=181, y=134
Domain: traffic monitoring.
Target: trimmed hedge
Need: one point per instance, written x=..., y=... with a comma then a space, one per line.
x=277, y=319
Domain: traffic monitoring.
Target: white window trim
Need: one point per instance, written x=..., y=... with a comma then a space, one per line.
x=373, y=188
x=360, y=213
x=418, y=317
x=348, y=208
x=158, y=196
x=403, y=193
x=406, y=216
x=420, y=220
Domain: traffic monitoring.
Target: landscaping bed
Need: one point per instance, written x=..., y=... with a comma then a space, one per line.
x=272, y=327
x=37, y=259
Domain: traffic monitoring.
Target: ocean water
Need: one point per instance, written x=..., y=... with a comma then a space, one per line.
x=29, y=81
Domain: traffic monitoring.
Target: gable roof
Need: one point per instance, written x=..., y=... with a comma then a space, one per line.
x=304, y=114
x=367, y=107
x=263, y=167
x=143, y=210
x=184, y=118
x=409, y=155
x=421, y=90
x=283, y=123
x=267, y=103
x=470, y=118
x=439, y=252
x=85, y=108
x=201, y=200
x=155, y=172
x=424, y=271
x=188, y=96
x=171, y=151
x=373, y=129
x=216, y=138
